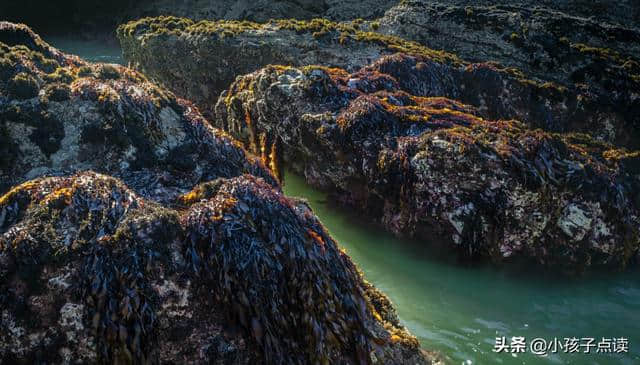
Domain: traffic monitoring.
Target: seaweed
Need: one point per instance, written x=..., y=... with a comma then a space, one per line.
x=57, y=92
x=412, y=163
x=23, y=86
x=144, y=277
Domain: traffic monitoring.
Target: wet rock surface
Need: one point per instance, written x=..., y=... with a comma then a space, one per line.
x=92, y=272
x=432, y=167
x=188, y=253
x=59, y=114
x=198, y=60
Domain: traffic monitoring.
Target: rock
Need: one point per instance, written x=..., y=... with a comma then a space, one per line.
x=144, y=267
x=544, y=43
x=541, y=41
x=92, y=272
x=622, y=12
x=198, y=60
x=499, y=93
x=263, y=10
x=431, y=167
x=59, y=114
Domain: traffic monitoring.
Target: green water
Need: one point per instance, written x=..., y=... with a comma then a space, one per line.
x=94, y=51
x=460, y=310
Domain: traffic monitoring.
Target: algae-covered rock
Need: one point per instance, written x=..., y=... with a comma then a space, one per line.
x=144, y=267
x=502, y=93
x=197, y=60
x=91, y=272
x=59, y=114
x=431, y=167
x=541, y=41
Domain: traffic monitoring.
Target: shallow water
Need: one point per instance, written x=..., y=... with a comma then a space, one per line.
x=460, y=310
x=94, y=51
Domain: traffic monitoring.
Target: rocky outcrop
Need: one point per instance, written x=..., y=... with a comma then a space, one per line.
x=431, y=167
x=198, y=60
x=91, y=272
x=59, y=114
x=147, y=266
x=618, y=12
x=264, y=10
x=542, y=42
x=500, y=93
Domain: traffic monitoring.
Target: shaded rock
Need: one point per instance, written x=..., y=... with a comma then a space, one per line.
x=59, y=114
x=622, y=12
x=198, y=60
x=92, y=272
x=503, y=93
x=431, y=167
x=262, y=10
x=542, y=42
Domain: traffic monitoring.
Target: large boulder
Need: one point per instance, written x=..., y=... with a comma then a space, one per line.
x=59, y=114
x=431, y=167
x=147, y=266
x=90, y=272
x=197, y=60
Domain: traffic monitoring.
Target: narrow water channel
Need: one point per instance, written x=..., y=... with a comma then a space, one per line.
x=460, y=310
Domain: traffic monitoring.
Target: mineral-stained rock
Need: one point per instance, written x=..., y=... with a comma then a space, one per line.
x=91, y=272
x=426, y=165
x=59, y=114
x=197, y=60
